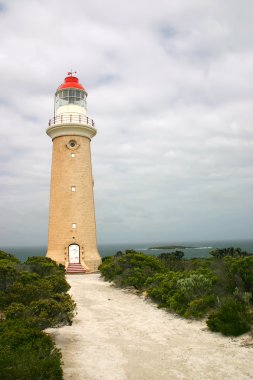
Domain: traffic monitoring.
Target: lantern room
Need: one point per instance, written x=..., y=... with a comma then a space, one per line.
x=70, y=97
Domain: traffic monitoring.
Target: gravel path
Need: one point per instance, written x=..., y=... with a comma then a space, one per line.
x=117, y=335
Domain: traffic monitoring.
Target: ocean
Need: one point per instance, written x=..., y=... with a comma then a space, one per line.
x=199, y=249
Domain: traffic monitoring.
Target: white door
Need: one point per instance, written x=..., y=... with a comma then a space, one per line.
x=74, y=254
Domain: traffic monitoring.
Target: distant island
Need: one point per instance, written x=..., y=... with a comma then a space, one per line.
x=171, y=247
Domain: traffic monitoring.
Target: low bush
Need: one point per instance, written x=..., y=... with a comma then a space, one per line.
x=44, y=266
x=32, y=297
x=198, y=308
x=27, y=354
x=232, y=318
x=163, y=287
x=43, y=313
x=172, y=260
x=188, y=294
x=106, y=258
x=196, y=285
x=131, y=269
x=8, y=257
x=220, y=253
x=241, y=272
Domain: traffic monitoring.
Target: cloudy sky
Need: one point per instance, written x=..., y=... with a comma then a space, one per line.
x=170, y=88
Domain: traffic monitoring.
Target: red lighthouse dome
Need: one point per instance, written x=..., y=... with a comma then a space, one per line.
x=71, y=82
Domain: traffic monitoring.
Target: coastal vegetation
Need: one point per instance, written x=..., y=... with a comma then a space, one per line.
x=33, y=297
x=218, y=288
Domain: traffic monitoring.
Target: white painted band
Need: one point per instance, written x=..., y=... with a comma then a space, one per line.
x=71, y=130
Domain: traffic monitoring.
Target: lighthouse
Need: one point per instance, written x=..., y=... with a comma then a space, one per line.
x=72, y=227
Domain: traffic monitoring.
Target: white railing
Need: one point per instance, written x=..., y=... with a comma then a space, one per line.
x=73, y=118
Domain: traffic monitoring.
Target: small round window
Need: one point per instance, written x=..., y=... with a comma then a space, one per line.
x=72, y=143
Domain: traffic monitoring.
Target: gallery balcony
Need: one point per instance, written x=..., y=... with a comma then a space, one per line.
x=71, y=118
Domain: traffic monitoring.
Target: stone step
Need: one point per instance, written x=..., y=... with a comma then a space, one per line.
x=75, y=269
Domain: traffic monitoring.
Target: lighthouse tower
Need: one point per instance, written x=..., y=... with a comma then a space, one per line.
x=72, y=227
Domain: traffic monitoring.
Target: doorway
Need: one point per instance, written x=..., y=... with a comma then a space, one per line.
x=74, y=254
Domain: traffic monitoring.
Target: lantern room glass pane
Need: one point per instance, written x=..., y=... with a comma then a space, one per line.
x=70, y=96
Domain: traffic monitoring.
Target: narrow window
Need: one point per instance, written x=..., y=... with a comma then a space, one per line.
x=73, y=225
x=73, y=155
x=73, y=188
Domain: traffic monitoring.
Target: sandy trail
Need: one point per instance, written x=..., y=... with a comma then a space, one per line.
x=117, y=335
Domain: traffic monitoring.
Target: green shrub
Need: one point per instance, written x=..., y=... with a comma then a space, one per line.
x=44, y=266
x=8, y=276
x=162, y=288
x=32, y=291
x=110, y=268
x=188, y=294
x=199, y=307
x=225, y=284
x=131, y=269
x=15, y=311
x=245, y=297
x=24, y=363
x=32, y=298
x=241, y=272
x=58, y=283
x=197, y=264
x=195, y=285
x=8, y=257
x=27, y=354
x=220, y=253
x=43, y=313
x=106, y=258
x=232, y=318
x=172, y=260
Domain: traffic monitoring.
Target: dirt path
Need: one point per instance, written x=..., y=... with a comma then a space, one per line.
x=117, y=335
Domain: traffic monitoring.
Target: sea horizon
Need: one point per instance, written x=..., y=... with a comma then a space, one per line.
x=198, y=249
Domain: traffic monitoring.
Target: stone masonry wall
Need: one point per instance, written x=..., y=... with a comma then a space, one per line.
x=67, y=207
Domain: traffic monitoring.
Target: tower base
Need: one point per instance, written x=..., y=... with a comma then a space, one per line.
x=90, y=265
